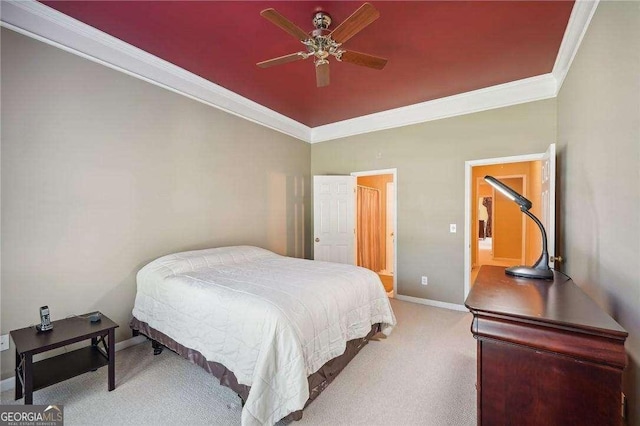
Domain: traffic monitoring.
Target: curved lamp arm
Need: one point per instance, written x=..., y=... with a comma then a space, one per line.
x=540, y=269
x=543, y=261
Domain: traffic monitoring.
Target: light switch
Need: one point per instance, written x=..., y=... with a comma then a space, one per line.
x=452, y=228
x=4, y=342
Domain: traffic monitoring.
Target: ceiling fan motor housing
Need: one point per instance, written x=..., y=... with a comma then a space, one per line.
x=320, y=44
x=321, y=20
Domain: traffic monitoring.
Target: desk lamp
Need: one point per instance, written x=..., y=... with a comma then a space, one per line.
x=540, y=269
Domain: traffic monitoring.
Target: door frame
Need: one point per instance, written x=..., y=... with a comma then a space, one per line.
x=391, y=210
x=468, y=182
x=394, y=172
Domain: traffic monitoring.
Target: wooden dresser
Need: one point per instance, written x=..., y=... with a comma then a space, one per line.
x=547, y=354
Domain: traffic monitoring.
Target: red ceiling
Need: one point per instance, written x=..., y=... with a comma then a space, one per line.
x=435, y=48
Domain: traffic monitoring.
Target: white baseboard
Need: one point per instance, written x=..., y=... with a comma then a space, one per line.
x=7, y=384
x=130, y=342
x=429, y=302
x=10, y=383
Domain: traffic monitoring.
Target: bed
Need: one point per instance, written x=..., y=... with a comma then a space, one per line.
x=273, y=328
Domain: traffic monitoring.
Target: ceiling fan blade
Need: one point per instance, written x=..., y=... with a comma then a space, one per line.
x=284, y=23
x=281, y=60
x=362, y=17
x=322, y=73
x=363, y=59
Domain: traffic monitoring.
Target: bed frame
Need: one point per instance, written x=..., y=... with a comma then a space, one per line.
x=318, y=381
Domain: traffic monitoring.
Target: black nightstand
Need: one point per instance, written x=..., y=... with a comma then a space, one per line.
x=32, y=376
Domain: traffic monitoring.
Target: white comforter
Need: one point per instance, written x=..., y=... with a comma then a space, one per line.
x=272, y=320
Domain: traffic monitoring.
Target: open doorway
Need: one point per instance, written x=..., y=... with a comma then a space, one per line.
x=542, y=197
x=376, y=224
x=505, y=238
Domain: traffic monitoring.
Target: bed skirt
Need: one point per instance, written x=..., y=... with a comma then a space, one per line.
x=318, y=381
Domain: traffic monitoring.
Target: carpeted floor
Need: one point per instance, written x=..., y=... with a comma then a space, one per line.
x=423, y=374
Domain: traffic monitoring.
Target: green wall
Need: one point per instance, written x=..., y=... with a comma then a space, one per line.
x=103, y=172
x=599, y=173
x=430, y=161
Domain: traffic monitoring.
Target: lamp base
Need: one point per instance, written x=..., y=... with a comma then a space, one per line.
x=529, y=272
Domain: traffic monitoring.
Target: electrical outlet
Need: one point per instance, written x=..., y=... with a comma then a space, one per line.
x=425, y=281
x=452, y=228
x=4, y=342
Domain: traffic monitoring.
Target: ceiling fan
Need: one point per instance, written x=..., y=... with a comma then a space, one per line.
x=321, y=43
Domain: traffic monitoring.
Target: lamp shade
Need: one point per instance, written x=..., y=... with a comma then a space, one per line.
x=524, y=203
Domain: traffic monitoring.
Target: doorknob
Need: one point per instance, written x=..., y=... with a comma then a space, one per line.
x=317, y=240
x=556, y=259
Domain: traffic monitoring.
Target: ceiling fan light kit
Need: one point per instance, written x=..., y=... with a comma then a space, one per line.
x=321, y=44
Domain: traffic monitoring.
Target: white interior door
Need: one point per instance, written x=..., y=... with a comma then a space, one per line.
x=548, y=188
x=391, y=232
x=334, y=219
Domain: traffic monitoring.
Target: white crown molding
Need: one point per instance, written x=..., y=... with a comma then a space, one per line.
x=579, y=21
x=515, y=92
x=50, y=26
x=43, y=23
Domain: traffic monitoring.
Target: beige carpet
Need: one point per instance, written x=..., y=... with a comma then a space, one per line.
x=423, y=374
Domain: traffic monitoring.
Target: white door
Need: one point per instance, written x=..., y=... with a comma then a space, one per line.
x=548, y=188
x=391, y=232
x=334, y=223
